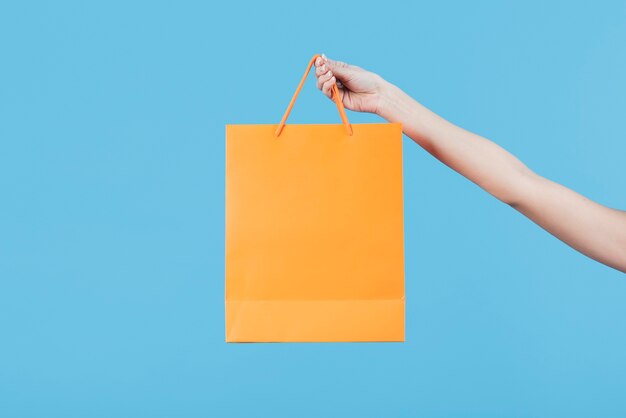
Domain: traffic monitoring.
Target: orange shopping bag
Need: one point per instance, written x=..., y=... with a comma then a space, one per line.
x=314, y=231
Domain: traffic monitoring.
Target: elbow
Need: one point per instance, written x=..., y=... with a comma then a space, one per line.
x=620, y=250
x=519, y=191
x=512, y=195
x=512, y=199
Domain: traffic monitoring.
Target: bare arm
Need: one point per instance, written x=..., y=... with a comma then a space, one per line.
x=595, y=230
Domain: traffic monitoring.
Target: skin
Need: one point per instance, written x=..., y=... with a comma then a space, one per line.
x=593, y=229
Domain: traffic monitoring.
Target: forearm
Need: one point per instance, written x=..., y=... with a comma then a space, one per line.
x=480, y=160
x=590, y=228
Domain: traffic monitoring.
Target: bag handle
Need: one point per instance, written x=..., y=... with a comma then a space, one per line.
x=335, y=95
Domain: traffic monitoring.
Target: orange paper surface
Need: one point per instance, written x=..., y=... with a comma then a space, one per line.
x=314, y=233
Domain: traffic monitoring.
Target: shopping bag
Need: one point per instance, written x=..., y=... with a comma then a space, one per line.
x=314, y=231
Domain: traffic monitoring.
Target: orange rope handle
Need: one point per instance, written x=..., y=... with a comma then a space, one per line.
x=335, y=94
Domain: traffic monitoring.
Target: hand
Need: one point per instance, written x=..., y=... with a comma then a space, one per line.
x=360, y=90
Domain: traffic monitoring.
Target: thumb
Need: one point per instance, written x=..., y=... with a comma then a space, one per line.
x=340, y=69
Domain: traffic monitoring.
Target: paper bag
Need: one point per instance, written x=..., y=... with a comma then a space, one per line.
x=314, y=231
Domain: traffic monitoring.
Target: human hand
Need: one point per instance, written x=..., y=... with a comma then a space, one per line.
x=360, y=90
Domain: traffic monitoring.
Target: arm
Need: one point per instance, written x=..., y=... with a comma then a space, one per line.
x=595, y=230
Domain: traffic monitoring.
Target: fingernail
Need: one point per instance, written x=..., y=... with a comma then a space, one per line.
x=324, y=67
x=324, y=57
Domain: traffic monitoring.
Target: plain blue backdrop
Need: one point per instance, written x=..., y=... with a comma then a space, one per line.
x=112, y=122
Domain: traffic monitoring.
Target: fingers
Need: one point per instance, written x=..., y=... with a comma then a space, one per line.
x=325, y=77
x=327, y=86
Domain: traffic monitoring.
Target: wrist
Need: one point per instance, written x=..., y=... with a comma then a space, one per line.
x=389, y=100
x=418, y=122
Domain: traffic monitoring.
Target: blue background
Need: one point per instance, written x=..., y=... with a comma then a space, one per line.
x=112, y=122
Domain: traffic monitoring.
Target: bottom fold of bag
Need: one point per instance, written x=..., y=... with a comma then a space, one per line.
x=315, y=320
